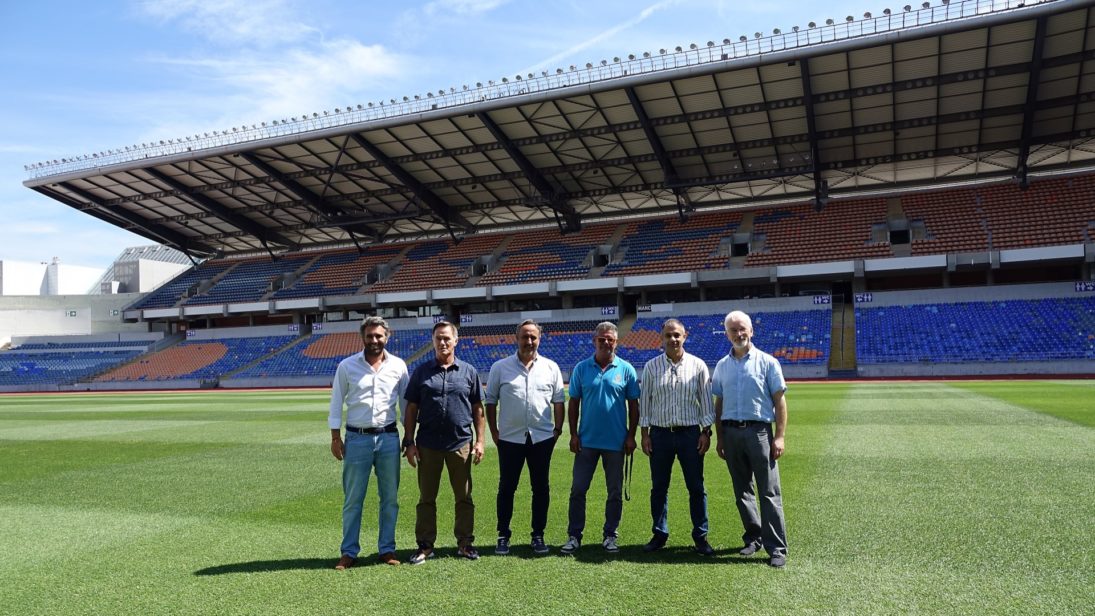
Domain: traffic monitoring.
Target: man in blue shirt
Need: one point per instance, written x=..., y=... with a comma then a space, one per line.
x=443, y=402
x=604, y=393
x=749, y=393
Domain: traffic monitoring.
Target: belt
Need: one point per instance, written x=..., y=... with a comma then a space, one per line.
x=734, y=423
x=381, y=430
x=676, y=428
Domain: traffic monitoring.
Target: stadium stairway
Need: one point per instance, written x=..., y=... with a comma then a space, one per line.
x=842, y=359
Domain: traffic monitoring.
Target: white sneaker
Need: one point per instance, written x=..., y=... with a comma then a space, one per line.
x=571, y=545
x=610, y=545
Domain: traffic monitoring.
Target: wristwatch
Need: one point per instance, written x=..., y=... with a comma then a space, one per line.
x=706, y=431
x=557, y=431
x=408, y=442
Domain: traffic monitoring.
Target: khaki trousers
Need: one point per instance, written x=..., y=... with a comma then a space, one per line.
x=458, y=464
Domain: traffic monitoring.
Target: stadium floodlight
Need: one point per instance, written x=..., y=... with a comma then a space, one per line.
x=829, y=22
x=630, y=56
x=406, y=99
x=743, y=38
x=757, y=35
x=604, y=62
x=812, y=24
x=794, y=28
x=710, y=43
x=886, y=12
x=646, y=54
x=589, y=65
x=505, y=80
x=867, y=15
x=946, y=1
x=678, y=49
x=693, y=46
x=926, y=5
x=849, y=18
x=907, y=8
x=775, y=31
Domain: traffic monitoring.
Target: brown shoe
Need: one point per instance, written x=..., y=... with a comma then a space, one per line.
x=344, y=563
x=388, y=558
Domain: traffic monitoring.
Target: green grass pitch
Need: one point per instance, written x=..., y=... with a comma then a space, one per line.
x=928, y=497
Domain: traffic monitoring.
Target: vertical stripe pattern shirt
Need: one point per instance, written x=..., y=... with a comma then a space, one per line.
x=676, y=394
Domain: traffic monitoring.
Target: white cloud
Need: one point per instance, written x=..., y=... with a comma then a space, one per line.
x=261, y=23
x=600, y=37
x=462, y=7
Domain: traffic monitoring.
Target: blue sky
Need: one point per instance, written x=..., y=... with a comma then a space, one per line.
x=83, y=77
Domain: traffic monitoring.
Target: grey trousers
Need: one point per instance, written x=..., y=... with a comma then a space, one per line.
x=748, y=456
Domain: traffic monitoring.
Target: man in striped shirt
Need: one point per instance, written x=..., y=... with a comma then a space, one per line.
x=675, y=416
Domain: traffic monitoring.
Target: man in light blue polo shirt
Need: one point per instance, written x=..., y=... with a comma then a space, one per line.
x=749, y=396
x=604, y=394
x=524, y=400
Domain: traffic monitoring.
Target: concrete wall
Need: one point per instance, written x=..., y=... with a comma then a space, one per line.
x=65, y=315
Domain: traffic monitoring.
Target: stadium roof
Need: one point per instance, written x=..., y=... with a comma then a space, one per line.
x=927, y=95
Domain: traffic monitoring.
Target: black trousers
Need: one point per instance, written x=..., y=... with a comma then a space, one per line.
x=511, y=460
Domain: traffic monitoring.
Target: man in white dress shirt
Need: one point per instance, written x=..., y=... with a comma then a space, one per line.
x=524, y=401
x=369, y=385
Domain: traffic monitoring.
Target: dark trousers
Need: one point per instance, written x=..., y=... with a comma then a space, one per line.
x=749, y=458
x=512, y=458
x=667, y=445
x=585, y=464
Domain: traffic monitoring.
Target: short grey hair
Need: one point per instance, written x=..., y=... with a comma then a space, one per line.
x=606, y=326
x=375, y=321
x=736, y=315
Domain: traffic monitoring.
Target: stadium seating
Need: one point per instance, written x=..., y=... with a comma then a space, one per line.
x=794, y=337
x=64, y=362
x=197, y=359
x=800, y=234
x=438, y=264
x=248, y=281
x=171, y=292
x=998, y=331
x=669, y=245
x=544, y=254
x=319, y=355
x=338, y=273
x=1050, y=212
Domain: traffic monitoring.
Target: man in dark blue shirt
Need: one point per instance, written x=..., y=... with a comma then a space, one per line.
x=444, y=400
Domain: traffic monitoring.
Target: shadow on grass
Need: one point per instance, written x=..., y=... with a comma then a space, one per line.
x=670, y=555
x=265, y=566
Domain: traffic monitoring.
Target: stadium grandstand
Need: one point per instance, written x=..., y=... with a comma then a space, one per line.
x=891, y=196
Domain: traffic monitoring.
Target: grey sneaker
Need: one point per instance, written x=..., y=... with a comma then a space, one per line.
x=610, y=545
x=571, y=546
x=538, y=545
x=750, y=548
x=503, y=546
x=778, y=561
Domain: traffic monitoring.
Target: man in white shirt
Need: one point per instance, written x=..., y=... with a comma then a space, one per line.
x=675, y=416
x=529, y=390
x=369, y=385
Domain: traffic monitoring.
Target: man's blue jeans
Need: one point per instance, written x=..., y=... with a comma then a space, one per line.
x=585, y=465
x=364, y=453
x=680, y=444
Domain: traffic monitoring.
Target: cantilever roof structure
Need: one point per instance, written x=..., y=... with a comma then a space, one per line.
x=957, y=91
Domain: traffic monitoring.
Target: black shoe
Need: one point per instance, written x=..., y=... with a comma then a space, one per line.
x=703, y=548
x=777, y=560
x=656, y=543
x=750, y=548
x=538, y=545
